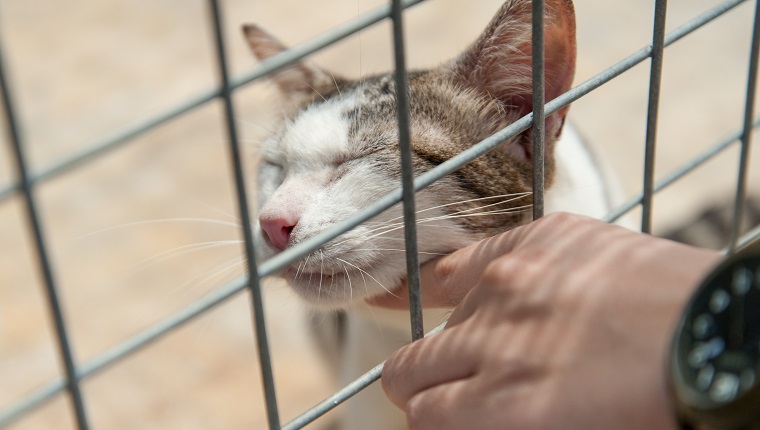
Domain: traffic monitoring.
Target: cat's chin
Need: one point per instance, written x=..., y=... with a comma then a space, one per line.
x=335, y=291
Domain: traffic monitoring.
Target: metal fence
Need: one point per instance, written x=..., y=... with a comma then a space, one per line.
x=76, y=373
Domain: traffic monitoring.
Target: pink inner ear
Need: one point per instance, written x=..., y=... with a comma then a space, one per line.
x=559, y=60
x=499, y=62
x=560, y=54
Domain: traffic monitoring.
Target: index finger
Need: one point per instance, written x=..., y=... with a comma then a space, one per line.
x=446, y=280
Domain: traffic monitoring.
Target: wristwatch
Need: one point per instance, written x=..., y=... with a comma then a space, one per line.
x=715, y=355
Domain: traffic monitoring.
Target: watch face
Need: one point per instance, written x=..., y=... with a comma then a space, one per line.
x=718, y=346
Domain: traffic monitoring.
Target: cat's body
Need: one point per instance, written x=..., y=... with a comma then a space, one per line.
x=337, y=152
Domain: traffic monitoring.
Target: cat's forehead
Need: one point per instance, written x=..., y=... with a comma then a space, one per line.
x=362, y=113
x=319, y=131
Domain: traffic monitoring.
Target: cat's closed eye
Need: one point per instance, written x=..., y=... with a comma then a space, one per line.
x=339, y=169
x=269, y=162
x=273, y=169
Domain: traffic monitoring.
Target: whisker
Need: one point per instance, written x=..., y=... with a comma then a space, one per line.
x=160, y=221
x=399, y=226
x=306, y=263
x=195, y=283
x=181, y=250
x=315, y=90
x=399, y=249
x=260, y=112
x=465, y=212
x=385, y=227
x=368, y=274
x=321, y=271
x=487, y=206
x=512, y=197
x=337, y=87
x=217, y=210
x=298, y=270
x=486, y=213
x=350, y=286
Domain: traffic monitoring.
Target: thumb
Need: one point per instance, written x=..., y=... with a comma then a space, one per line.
x=445, y=281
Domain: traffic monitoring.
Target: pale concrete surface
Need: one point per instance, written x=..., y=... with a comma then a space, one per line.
x=83, y=69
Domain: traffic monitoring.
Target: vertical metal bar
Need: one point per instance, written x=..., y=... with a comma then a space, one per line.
x=407, y=174
x=539, y=114
x=749, y=113
x=245, y=219
x=45, y=265
x=655, y=77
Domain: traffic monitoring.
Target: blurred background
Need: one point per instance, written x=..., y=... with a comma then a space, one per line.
x=146, y=229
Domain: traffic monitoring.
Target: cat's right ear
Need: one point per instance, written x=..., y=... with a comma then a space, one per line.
x=300, y=82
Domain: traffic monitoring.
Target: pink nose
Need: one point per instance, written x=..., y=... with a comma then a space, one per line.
x=277, y=229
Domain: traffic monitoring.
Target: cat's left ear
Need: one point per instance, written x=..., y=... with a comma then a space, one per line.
x=300, y=82
x=499, y=63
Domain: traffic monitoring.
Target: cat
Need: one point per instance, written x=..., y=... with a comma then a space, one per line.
x=336, y=152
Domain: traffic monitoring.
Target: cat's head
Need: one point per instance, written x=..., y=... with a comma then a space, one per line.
x=337, y=152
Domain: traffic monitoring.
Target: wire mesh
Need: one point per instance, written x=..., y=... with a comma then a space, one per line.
x=27, y=181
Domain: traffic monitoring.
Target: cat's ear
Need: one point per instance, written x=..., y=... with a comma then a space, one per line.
x=499, y=62
x=299, y=82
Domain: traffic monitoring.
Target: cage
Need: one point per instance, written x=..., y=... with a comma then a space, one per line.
x=122, y=300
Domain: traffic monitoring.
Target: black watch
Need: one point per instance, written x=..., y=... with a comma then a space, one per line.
x=715, y=356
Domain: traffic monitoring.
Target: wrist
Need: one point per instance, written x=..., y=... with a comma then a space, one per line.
x=715, y=355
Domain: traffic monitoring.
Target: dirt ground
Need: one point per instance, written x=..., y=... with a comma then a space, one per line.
x=82, y=70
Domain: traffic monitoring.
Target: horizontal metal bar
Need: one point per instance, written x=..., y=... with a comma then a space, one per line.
x=638, y=56
x=271, y=65
x=747, y=238
x=281, y=260
x=124, y=349
x=344, y=393
x=113, y=142
x=676, y=174
x=32, y=401
x=316, y=43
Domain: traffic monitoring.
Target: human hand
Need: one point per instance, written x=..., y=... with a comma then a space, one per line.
x=567, y=327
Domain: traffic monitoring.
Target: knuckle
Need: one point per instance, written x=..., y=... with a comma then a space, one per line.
x=448, y=289
x=503, y=270
x=444, y=270
x=418, y=413
x=511, y=275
